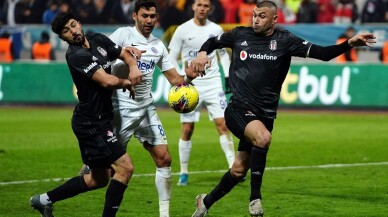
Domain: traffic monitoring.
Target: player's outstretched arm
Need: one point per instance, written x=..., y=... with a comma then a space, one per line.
x=174, y=78
x=201, y=62
x=329, y=52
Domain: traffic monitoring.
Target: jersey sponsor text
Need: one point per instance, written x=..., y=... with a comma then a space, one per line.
x=146, y=67
x=93, y=64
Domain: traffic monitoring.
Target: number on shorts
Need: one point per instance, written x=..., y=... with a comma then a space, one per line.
x=223, y=104
x=161, y=130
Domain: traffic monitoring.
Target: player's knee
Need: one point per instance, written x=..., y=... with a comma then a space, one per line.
x=98, y=182
x=163, y=160
x=124, y=168
x=238, y=171
x=267, y=139
x=263, y=140
x=128, y=169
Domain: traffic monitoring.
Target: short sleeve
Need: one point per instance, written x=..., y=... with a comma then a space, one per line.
x=165, y=63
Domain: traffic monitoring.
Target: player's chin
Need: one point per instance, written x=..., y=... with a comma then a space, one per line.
x=148, y=29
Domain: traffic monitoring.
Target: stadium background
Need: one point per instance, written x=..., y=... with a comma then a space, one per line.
x=310, y=83
x=320, y=161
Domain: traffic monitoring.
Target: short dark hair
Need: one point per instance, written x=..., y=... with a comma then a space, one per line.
x=147, y=4
x=266, y=3
x=60, y=21
x=5, y=34
x=45, y=36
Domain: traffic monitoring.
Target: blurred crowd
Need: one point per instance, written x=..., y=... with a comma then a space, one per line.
x=173, y=12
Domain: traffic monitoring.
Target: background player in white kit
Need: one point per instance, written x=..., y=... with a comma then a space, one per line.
x=138, y=116
x=187, y=40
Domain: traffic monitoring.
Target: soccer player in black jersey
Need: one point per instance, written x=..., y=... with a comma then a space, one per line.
x=261, y=57
x=89, y=59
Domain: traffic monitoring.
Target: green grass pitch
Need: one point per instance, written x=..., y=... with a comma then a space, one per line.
x=37, y=145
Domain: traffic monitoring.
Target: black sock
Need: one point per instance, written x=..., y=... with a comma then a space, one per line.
x=113, y=197
x=71, y=188
x=258, y=160
x=224, y=186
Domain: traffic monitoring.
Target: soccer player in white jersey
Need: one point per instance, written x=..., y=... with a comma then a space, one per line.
x=187, y=41
x=138, y=116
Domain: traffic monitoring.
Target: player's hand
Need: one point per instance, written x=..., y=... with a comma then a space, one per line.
x=135, y=75
x=128, y=86
x=190, y=72
x=201, y=62
x=362, y=39
x=227, y=86
x=136, y=53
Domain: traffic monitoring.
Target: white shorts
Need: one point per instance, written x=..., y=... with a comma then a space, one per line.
x=211, y=96
x=143, y=123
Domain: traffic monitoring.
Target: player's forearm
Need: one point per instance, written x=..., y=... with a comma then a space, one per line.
x=128, y=59
x=329, y=52
x=109, y=81
x=114, y=82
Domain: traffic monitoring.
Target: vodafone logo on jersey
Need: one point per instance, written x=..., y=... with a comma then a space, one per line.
x=243, y=55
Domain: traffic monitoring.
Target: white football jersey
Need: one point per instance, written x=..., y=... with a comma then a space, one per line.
x=188, y=39
x=156, y=55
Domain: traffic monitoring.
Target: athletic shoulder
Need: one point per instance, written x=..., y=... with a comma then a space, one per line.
x=285, y=35
x=241, y=31
x=95, y=36
x=123, y=29
x=185, y=26
x=75, y=52
x=215, y=26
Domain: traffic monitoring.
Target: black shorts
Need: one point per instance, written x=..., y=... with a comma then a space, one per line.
x=237, y=118
x=97, y=142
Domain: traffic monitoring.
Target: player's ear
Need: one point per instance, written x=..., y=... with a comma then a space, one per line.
x=275, y=18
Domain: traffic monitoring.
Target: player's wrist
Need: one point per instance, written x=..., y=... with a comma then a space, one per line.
x=187, y=79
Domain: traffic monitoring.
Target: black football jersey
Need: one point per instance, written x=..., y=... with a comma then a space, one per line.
x=94, y=100
x=260, y=65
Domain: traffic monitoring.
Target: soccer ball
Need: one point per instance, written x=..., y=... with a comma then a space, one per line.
x=183, y=98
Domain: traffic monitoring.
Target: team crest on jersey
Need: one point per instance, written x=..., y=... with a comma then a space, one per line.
x=243, y=55
x=273, y=45
x=111, y=136
x=153, y=49
x=102, y=51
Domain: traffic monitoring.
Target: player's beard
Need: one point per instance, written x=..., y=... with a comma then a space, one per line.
x=79, y=39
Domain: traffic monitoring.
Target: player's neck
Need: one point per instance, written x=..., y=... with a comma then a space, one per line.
x=86, y=44
x=145, y=36
x=200, y=22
